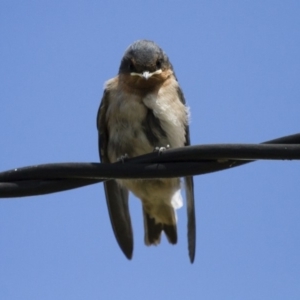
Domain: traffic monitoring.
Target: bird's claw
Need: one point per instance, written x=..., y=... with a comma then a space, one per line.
x=160, y=150
x=122, y=158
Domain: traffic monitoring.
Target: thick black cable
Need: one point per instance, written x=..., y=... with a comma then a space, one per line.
x=179, y=162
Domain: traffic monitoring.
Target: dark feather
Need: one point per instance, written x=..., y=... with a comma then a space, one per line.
x=116, y=196
x=153, y=129
x=153, y=231
x=190, y=199
x=171, y=233
x=189, y=190
x=117, y=204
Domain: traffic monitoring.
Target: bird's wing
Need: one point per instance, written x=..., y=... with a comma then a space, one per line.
x=116, y=196
x=189, y=189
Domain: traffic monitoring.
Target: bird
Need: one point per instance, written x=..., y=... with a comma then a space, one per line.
x=142, y=110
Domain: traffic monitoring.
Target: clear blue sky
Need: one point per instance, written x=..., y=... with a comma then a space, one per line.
x=238, y=63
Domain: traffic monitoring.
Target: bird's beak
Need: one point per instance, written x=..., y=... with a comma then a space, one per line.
x=146, y=74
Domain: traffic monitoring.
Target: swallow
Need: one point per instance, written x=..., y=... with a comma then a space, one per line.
x=143, y=108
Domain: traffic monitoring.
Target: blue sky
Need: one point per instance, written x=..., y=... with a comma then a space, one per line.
x=238, y=63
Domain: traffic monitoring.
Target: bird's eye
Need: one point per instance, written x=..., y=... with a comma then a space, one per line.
x=158, y=64
x=131, y=67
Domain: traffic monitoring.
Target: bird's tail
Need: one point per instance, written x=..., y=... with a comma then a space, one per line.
x=153, y=230
x=160, y=218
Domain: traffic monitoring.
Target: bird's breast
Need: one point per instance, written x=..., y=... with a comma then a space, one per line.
x=125, y=116
x=138, y=123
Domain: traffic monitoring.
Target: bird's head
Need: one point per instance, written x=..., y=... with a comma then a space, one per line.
x=145, y=65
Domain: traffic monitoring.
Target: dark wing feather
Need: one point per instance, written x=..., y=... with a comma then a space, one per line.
x=116, y=196
x=189, y=189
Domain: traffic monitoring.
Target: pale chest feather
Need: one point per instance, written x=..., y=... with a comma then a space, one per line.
x=171, y=112
x=136, y=124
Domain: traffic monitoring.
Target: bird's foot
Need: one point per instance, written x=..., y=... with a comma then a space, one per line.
x=122, y=158
x=160, y=150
